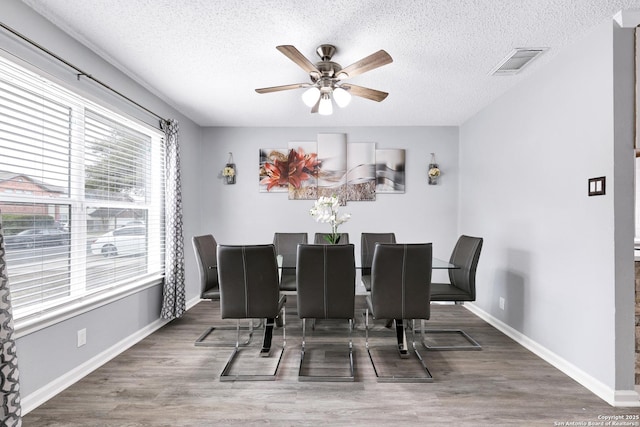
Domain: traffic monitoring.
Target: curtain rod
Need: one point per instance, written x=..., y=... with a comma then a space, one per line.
x=80, y=72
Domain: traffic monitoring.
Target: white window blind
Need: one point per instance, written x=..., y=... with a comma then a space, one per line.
x=81, y=195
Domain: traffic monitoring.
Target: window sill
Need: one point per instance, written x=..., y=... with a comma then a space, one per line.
x=36, y=322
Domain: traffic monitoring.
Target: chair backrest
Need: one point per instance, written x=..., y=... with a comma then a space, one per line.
x=205, y=249
x=367, y=246
x=401, y=281
x=326, y=277
x=319, y=238
x=248, y=281
x=465, y=255
x=286, y=244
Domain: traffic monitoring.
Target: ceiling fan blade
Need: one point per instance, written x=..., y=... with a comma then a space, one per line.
x=294, y=54
x=365, y=92
x=369, y=63
x=279, y=88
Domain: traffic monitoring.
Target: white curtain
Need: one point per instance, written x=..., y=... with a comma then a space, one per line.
x=173, y=302
x=10, y=413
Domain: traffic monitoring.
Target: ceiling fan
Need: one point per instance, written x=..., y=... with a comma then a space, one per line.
x=327, y=78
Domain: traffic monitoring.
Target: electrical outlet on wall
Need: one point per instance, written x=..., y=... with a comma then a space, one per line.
x=82, y=337
x=501, y=303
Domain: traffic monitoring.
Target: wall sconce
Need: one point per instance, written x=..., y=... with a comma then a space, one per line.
x=434, y=170
x=229, y=171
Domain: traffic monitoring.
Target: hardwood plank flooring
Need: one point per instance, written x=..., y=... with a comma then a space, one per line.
x=167, y=381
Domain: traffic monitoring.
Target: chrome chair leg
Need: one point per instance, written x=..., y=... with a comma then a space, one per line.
x=472, y=344
x=415, y=349
x=396, y=378
x=342, y=378
x=226, y=376
x=201, y=341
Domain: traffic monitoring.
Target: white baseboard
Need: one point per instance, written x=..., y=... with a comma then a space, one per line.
x=193, y=302
x=617, y=398
x=40, y=396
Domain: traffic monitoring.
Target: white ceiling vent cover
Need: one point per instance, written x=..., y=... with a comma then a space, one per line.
x=517, y=60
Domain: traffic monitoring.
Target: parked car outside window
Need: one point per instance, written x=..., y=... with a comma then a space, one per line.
x=37, y=237
x=127, y=240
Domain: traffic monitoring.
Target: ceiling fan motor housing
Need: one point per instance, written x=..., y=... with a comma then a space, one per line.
x=327, y=68
x=326, y=51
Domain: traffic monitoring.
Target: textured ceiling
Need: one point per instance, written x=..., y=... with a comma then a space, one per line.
x=206, y=57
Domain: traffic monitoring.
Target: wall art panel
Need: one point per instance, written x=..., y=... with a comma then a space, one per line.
x=273, y=170
x=361, y=171
x=390, y=164
x=303, y=170
x=332, y=166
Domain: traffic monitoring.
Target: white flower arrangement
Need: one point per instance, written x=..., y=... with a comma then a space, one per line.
x=228, y=171
x=325, y=209
x=434, y=172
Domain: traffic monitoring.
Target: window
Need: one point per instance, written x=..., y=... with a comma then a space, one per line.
x=81, y=196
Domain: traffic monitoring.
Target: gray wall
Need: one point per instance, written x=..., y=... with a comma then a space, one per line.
x=563, y=261
x=50, y=353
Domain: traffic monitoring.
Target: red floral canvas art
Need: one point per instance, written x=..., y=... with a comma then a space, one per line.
x=294, y=170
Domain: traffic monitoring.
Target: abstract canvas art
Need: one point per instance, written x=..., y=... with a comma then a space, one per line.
x=361, y=171
x=332, y=166
x=390, y=165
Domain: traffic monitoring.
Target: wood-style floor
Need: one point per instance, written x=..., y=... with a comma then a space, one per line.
x=167, y=381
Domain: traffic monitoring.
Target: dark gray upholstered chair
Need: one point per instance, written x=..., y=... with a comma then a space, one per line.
x=319, y=239
x=400, y=289
x=248, y=277
x=461, y=287
x=286, y=245
x=205, y=249
x=367, y=246
x=326, y=277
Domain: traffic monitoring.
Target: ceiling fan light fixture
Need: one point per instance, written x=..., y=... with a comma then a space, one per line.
x=310, y=96
x=326, y=77
x=325, y=108
x=342, y=97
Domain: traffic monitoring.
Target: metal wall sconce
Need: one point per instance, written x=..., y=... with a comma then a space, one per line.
x=434, y=170
x=229, y=171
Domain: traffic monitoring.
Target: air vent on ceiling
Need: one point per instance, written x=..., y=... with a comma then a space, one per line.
x=517, y=60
